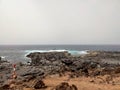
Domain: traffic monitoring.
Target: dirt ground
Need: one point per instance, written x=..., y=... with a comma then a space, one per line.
x=82, y=83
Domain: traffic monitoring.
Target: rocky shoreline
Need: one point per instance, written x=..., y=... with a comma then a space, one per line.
x=94, y=64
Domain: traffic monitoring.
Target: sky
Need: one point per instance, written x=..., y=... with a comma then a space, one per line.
x=59, y=22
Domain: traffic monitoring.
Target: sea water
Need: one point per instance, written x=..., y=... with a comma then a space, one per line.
x=17, y=53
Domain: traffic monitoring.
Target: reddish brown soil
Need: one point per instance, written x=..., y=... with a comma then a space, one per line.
x=82, y=83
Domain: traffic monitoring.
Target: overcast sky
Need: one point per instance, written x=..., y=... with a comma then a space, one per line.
x=59, y=21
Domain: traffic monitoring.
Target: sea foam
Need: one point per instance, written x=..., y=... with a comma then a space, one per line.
x=72, y=52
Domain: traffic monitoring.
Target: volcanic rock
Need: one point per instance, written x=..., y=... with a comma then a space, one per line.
x=65, y=86
x=94, y=63
x=37, y=56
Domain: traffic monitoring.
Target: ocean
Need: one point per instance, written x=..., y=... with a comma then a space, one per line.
x=17, y=53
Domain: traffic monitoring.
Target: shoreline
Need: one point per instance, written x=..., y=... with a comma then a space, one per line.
x=86, y=71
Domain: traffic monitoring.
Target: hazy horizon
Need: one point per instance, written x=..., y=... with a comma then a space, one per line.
x=59, y=22
x=12, y=44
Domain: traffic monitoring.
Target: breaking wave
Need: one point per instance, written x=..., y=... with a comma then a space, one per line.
x=72, y=52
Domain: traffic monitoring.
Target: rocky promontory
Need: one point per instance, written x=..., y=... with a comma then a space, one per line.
x=62, y=71
x=93, y=63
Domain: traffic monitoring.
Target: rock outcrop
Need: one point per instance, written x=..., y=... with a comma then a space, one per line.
x=51, y=56
x=65, y=86
x=92, y=64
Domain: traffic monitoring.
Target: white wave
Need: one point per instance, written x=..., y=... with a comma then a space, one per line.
x=57, y=50
x=78, y=52
x=3, y=57
x=83, y=52
x=42, y=51
x=72, y=52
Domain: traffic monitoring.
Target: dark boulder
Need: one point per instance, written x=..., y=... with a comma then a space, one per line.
x=5, y=87
x=65, y=86
x=67, y=62
x=39, y=84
